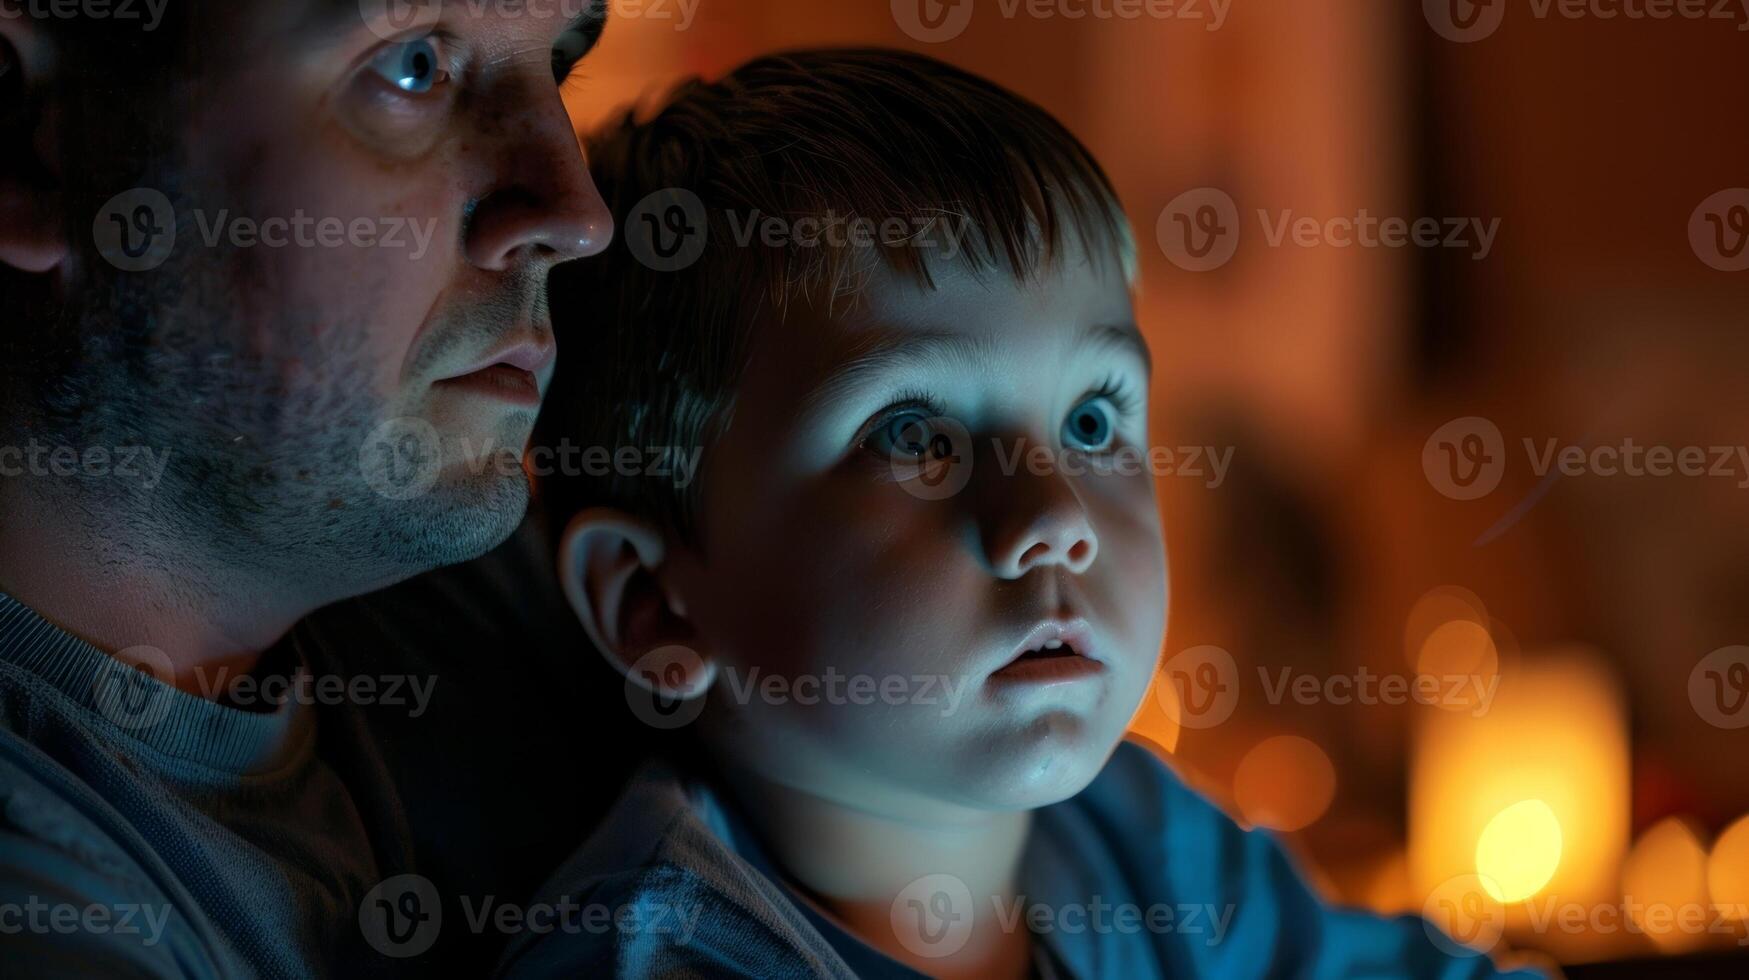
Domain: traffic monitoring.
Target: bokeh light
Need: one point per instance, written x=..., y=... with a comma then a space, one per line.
x=1284, y=783
x=1663, y=880
x=1519, y=851
x=1727, y=871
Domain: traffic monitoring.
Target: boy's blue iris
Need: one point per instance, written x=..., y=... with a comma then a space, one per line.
x=1088, y=427
x=904, y=435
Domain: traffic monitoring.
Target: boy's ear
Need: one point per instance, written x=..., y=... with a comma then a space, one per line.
x=33, y=235
x=609, y=564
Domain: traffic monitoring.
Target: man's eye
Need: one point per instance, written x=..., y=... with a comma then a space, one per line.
x=1089, y=426
x=415, y=67
x=907, y=434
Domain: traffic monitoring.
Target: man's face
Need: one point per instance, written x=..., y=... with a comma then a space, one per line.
x=890, y=567
x=346, y=350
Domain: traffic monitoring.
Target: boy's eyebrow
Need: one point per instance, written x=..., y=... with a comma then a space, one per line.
x=1123, y=337
x=885, y=352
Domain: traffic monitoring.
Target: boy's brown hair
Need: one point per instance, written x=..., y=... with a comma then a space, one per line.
x=653, y=333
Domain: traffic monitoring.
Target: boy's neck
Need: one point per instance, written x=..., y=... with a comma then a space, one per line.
x=854, y=864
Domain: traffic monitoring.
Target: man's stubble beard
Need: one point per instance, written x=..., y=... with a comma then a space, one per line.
x=264, y=479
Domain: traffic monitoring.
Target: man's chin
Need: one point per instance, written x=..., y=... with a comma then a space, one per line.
x=464, y=515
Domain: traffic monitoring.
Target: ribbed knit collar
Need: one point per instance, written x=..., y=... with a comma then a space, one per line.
x=128, y=703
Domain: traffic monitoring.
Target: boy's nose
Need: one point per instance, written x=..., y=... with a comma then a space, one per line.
x=1038, y=521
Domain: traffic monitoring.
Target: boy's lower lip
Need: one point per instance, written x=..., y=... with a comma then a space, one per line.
x=501, y=381
x=1048, y=670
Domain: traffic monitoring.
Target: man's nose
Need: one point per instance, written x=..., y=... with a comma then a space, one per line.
x=544, y=206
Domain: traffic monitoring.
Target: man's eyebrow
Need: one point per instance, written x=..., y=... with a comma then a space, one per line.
x=885, y=353
x=587, y=25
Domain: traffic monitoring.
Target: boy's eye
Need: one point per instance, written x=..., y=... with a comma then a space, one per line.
x=1089, y=426
x=907, y=434
x=415, y=67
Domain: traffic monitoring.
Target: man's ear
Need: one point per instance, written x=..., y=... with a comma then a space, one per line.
x=609, y=565
x=33, y=235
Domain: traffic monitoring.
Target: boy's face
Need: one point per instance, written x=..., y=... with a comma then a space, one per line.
x=893, y=606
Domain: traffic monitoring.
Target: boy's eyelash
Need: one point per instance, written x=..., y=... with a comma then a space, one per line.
x=903, y=402
x=1117, y=390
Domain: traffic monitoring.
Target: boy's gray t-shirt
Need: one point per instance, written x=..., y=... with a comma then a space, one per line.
x=1137, y=876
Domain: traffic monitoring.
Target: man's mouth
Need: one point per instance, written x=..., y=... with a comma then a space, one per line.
x=501, y=381
x=512, y=373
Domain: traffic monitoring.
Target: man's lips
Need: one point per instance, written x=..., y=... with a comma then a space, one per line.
x=501, y=381
x=1052, y=652
x=515, y=372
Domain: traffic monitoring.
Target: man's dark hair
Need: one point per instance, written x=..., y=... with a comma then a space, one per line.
x=650, y=358
x=119, y=93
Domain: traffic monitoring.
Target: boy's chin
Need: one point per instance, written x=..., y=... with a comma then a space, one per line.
x=1056, y=757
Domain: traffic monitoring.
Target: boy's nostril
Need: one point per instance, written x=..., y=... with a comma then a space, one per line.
x=1080, y=552
x=1034, y=555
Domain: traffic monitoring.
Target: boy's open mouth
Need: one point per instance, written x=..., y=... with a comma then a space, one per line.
x=1052, y=652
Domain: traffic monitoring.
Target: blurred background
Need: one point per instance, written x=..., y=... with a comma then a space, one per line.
x=1464, y=615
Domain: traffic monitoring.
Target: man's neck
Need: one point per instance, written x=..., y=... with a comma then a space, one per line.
x=103, y=579
x=855, y=866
